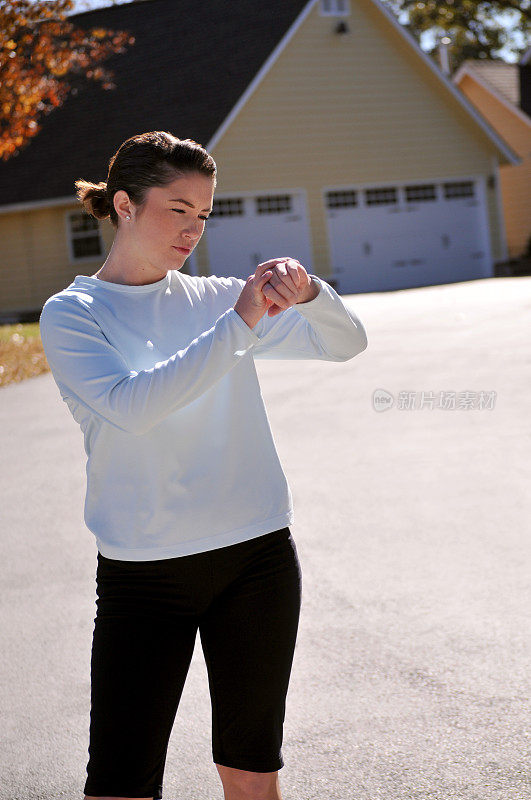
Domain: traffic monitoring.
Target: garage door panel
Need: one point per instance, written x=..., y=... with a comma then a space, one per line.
x=260, y=227
x=385, y=238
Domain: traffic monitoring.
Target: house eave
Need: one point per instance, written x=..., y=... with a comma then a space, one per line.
x=466, y=70
x=35, y=204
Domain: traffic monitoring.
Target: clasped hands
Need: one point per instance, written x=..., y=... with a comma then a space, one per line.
x=288, y=284
x=276, y=285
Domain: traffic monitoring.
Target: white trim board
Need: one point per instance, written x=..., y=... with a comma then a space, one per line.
x=31, y=204
x=499, y=211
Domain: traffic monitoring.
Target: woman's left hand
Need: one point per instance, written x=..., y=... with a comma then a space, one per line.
x=290, y=284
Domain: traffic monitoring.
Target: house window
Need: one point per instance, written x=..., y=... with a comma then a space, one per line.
x=380, y=197
x=230, y=207
x=273, y=204
x=85, y=237
x=334, y=8
x=458, y=189
x=341, y=199
x=415, y=194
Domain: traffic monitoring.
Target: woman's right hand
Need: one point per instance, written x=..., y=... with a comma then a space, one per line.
x=252, y=303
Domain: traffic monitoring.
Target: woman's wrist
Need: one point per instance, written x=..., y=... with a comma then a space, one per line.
x=311, y=292
x=251, y=320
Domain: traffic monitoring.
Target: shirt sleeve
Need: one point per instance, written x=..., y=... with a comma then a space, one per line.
x=84, y=363
x=323, y=328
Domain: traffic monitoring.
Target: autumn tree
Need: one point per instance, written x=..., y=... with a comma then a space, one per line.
x=473, y=26
x=44, y=58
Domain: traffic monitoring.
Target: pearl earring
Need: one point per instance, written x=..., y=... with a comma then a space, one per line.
x=128, y=217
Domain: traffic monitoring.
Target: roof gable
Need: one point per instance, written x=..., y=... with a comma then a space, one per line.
x=502, y=147
x=498, y=78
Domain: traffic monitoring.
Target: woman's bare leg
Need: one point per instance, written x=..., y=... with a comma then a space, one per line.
x=238, y=784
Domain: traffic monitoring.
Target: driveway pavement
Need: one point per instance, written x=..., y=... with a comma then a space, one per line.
x=411, y=677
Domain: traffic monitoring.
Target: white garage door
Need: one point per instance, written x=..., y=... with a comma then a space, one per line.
x=245, y=230
x=394, y=237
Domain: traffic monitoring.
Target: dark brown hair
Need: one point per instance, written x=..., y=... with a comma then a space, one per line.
x=149, y=159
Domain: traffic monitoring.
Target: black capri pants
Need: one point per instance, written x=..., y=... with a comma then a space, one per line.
x=245, y=599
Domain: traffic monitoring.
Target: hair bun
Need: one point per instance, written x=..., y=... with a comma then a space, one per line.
x=94, y=198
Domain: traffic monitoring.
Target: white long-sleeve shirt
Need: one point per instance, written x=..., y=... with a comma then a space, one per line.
x=162, y=381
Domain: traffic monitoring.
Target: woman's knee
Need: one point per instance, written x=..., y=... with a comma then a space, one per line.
x=240, y=784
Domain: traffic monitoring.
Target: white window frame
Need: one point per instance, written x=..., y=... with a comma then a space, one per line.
x=338, y=8
x=71, y=235
x=480, y=190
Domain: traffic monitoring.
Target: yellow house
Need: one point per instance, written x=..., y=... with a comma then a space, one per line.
x=502, y=94
x=338, y=141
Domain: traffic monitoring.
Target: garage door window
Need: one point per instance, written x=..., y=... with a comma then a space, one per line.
x=414, y=194
x=379, y=197
x=458, y=189
x=227, y=207
x=273, y=204
x=341, y=199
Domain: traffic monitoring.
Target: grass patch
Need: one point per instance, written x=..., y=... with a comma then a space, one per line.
x=21, y=353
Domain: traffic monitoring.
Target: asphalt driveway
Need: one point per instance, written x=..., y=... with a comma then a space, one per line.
x=411, y=677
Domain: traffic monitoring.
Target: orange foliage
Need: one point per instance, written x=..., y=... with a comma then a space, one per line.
x=39, y=50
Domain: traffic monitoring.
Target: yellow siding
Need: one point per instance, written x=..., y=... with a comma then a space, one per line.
x=357, y=107
x=35, y=261
x=515, y=179
x=15, y=280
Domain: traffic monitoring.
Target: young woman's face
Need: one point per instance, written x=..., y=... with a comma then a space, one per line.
x=173, y=217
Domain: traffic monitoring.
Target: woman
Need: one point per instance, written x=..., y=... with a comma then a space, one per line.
x=185, y=494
